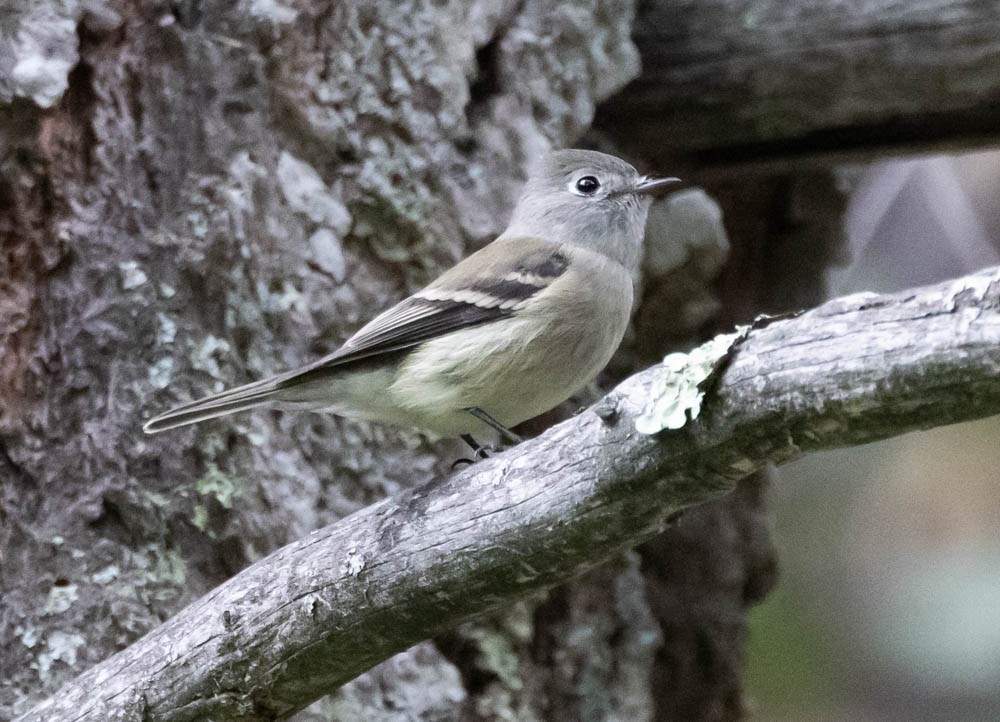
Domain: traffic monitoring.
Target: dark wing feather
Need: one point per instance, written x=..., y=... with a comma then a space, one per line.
x=411, y=322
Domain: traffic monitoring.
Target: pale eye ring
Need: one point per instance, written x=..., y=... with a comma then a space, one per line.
x=586, y=185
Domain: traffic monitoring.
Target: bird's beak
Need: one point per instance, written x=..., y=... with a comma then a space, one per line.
x=648, y=186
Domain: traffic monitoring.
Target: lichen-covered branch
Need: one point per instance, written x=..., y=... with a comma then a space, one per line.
x=318, y=612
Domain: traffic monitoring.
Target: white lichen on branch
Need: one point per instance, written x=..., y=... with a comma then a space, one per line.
x=678, y=388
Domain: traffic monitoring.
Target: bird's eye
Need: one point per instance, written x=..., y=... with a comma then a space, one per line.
x=586, y=185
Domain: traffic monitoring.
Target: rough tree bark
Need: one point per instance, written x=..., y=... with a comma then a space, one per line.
x=322, y=610
x=195, y=193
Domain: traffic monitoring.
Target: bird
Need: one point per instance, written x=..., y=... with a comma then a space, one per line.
x=508, y=333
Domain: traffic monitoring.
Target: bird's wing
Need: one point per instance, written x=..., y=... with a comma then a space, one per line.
x=490, y=284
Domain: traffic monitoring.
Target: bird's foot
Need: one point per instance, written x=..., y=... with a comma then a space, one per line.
x=478, y=451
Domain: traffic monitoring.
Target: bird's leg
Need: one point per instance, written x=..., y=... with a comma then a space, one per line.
x=495, y=425
x=477, y=450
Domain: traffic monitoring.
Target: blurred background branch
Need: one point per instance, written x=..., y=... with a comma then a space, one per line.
x=729, y=84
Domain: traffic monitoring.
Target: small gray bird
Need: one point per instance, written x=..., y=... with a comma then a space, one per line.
x=507, y=334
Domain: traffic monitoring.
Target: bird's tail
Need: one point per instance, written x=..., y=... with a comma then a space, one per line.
x=226, y=402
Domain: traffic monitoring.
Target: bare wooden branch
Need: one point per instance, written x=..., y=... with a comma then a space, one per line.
x=729, y=82
x=320, y=611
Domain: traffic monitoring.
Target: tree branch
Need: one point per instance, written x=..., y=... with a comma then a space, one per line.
x=320, y=611
x=725, y=82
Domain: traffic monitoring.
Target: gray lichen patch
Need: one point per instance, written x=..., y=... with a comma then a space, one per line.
x=35, y=61
x=220, y=486
x=59, y=647
x=60, y=599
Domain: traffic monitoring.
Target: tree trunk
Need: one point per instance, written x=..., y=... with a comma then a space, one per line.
x=197, y=194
